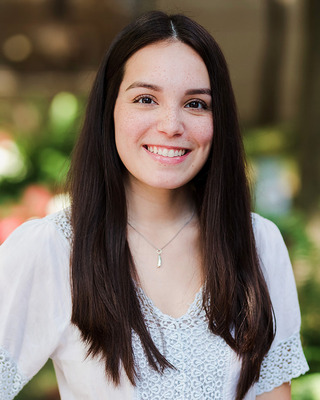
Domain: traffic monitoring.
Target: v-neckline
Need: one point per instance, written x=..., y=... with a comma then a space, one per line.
x=194, y=307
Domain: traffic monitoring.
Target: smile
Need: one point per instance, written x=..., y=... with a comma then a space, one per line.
x=163, y=151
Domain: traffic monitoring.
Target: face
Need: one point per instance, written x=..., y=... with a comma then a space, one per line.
x=163, y=116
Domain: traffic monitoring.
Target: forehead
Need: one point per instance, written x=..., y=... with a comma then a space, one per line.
x=167, y=62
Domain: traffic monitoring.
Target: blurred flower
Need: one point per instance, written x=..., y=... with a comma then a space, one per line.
x=36, y=199
x=8, y=225
x=11, y=161
x=34, y=204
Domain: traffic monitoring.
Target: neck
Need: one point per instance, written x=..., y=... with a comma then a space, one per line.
x=161, y=207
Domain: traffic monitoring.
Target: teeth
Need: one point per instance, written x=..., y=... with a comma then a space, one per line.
x=165, y=152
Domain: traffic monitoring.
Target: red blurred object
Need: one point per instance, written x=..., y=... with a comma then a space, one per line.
x=8, y=225
x=33, y=204
x=36, y=198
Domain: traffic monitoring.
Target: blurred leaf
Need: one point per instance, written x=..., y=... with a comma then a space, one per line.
x=42, y=387
x=62, y=114
x=54, y=164
x=306, y=387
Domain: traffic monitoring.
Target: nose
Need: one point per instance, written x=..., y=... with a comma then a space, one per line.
x=170, y=122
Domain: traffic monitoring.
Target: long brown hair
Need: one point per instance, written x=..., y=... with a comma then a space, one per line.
x=105, y=305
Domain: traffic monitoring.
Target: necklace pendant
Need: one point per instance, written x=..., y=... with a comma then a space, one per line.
x=159, y=258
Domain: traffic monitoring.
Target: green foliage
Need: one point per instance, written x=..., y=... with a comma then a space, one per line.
x=43, y=132
x=42, y=387
x=306, y=388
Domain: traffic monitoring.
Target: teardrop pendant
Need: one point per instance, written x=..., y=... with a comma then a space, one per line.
x=159, y=258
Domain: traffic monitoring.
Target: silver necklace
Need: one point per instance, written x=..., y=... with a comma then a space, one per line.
x=159, y=250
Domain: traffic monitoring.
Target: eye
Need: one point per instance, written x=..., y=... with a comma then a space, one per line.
x=197, y=104
x=143, y=99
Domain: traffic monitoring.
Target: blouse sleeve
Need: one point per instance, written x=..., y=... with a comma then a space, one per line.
x=285, y=359
x=34, y=302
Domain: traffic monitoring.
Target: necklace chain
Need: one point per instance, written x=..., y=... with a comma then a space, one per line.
x=159, y=250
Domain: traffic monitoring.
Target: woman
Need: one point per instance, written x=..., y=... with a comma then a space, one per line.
x=175, y=290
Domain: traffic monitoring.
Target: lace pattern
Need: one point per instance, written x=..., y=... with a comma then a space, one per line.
x=283, y=363
x=11, y=379
x=199, y=357
x=62, y=221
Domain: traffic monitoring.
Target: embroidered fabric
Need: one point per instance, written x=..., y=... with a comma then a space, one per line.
x=11, y=379
x=282, y=364
x=200, y=359
x=62, y=221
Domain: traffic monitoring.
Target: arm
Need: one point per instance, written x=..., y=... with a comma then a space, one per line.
x=282, y=392
x=32, y=302
x=285, y=359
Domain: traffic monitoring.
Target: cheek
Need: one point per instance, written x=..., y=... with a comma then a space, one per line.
x=205, y=135
x=129, y=127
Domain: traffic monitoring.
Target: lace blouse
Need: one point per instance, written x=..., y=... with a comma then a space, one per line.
x=35, y=311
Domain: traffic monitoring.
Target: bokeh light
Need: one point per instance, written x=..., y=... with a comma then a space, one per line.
x=17, y=48
x=11, y=160
x=63, y=111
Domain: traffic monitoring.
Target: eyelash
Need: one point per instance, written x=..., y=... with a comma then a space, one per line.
x=203, y=104
x=143, y=96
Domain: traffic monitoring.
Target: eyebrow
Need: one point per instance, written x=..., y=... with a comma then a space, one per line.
x=157, y=88
x=139, y=84
x=199, y=91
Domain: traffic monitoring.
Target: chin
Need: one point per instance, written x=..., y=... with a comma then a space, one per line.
x=169, y=185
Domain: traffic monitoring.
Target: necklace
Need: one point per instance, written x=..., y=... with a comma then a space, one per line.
x=159, y=250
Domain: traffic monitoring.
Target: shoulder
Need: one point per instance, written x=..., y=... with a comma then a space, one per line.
x=61, y=221
x=265, y=231
x=34, y=262
x=271, y=248
x=39, y=247
x=277, y=269
x=54, y=229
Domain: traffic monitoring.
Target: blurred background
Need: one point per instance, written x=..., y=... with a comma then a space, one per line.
x=49, y=52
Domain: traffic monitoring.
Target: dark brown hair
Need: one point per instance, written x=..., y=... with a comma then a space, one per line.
x=105, y=305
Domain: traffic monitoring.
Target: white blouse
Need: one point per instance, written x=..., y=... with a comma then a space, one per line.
x=35, y=312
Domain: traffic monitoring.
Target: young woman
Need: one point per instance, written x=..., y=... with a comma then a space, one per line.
x=158, y=283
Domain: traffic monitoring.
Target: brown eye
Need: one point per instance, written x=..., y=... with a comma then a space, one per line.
x=144, y=100
x=197, y=104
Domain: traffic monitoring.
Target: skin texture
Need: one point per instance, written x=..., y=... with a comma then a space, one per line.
x=282, y=392
x=154, y=108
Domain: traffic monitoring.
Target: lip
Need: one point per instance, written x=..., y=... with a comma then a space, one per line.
x=166, y=159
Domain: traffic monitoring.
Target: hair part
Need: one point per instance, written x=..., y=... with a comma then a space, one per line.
x=174, y=32
x=105, y=305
